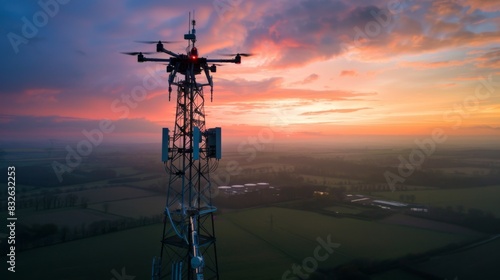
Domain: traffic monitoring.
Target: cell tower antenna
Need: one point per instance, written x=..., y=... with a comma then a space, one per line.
x=189, y=154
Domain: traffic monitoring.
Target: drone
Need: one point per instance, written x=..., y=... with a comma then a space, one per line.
x=189, y=63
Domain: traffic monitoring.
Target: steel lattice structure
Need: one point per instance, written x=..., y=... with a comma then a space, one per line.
x=188, y=234
x=188, y=242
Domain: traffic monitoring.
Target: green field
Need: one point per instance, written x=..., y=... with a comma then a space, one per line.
x=133, y=208
x=358, y=238
x=464, y=171
x=484, y=198
x=92, y=258
x=459, y=265
x=465, y=263
x=112, y=193
x=109, y=203
x=344, y=209
x=398, y=275
x=69, y=217
x=329, y=181
x=246, y=240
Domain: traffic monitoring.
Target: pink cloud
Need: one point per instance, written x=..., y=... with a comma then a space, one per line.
x=241, y=90
x=489, y=59
x=433, y=64
x=483, y=5
x=346, y=73
x=307, y=80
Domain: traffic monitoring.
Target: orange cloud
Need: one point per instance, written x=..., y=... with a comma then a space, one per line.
x=242, y=90
x=325, y=112
x=483, y=5
x=310, y=78
x=433, y=64
x=490, y=59
x=346, y=73
x=445, y=7
x=447, y=85
x=307, y=80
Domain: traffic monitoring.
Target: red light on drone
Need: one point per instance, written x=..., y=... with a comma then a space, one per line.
x=194, y=53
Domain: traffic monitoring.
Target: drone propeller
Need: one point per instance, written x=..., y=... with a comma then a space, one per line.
x=156, y=42
x=137, y=53
x=240, y=54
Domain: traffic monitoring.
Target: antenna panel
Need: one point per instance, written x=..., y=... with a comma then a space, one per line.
x=214, y=142
x=196, y=143
x=164, y=145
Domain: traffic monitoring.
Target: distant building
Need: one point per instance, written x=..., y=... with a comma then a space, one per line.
x=320, y=193
x=388, y=204
x=419, y=208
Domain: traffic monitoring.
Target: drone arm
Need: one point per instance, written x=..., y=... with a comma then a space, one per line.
x=210, y=81
x=162, y=49
x=155, y=59
x=207, y=73
x=171, y=78
x=222, y=61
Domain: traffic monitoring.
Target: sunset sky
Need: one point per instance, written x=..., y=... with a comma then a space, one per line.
x=322, y=69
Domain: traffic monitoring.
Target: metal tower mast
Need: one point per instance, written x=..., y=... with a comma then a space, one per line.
x=188, y=243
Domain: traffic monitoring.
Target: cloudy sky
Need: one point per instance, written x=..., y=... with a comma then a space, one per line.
x=322, y=68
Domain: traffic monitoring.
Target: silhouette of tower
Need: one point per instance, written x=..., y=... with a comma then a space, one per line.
x=188, y=247
x=188, y=242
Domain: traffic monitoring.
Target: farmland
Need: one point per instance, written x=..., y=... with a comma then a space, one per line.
x=484, y=198
x=113, y=194
x=246, y=239
x=110, y=218
x=70, y=218
x=449, y=266
x=133, y=208
x=462, y=263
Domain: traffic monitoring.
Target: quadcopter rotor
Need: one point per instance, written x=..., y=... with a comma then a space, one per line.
x=137, y=53
x=240, y=54
x=155, y=42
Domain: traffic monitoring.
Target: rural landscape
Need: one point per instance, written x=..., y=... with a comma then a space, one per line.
x=107, y=214
x=250, y=140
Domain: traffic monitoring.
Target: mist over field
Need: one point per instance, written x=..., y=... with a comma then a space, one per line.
x=291, y=196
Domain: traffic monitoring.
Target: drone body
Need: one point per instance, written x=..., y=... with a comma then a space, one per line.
x=189, y=62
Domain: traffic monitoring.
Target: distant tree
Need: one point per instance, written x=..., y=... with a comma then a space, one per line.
x=83, y=229
x=64, y=233
x=73, y=199
x=40, y=231
x=84, y=202
x=58, y=202
x=105, y=207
